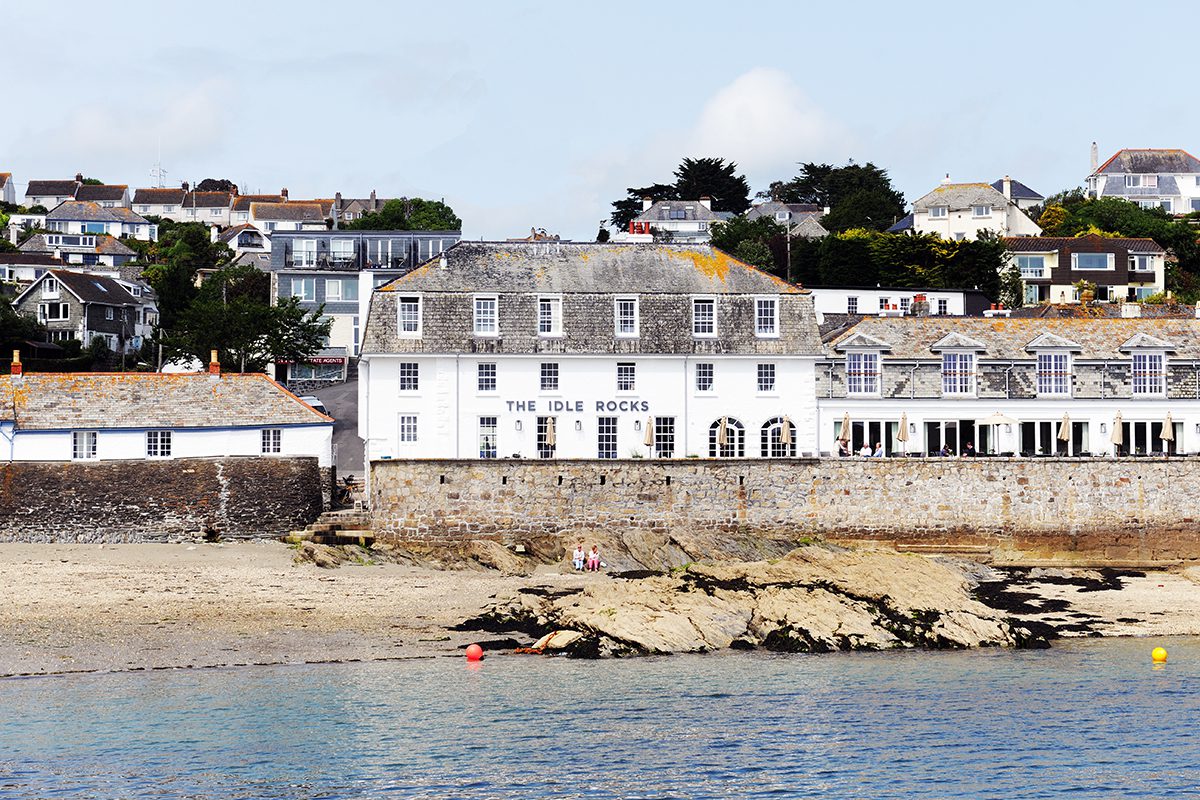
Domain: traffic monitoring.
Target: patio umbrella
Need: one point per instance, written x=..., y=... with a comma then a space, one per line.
x=902, y=433
x=648, y=439
x=1118, y=431
x=1064, y=430
x=785, y=435
x=845, y=427
x=723, y=432
x=551, y=437
x=995, y=420
x=1168, y=431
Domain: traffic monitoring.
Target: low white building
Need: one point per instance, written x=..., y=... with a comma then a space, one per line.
x=106, y=195
x=109, y=416
x=876, y=299
x=85, y=217
x=165, y=203
x=956, y=211
x=585, y=351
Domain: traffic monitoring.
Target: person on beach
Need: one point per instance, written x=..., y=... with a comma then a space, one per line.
x=593, y=560
x=577, y=557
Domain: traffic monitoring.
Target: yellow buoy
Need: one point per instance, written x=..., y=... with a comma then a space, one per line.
x=1159, y=655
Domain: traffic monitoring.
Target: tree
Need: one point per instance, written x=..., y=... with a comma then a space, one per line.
x=216, y=185
x=846, y=259
x=16, y=329
x=409, y=214
x=602, y=235
x=92, y=182
x=232, y=314
x=857, y=195
x=625, y=211
x=1012, y=289
x=171, y=264
x=712, y=177
x=753, y=241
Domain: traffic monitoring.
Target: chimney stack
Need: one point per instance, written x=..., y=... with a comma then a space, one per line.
x=1007, y=184
x=646, y=203
x=185, y=187
x=337, y=202
x=79, y=177
x=374, y=204
x=214, y=365
x=16, y=362
x=283, y=193
x=706, y=201
x=946, y=180
x=1095, y=158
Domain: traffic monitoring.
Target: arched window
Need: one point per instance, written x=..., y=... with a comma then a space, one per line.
x=773, y=445
x=734, y=439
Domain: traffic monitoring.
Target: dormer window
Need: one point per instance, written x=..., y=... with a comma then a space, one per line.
x=549, y=316
x=766, y=317
x=981, y=211
x=1148, y=374
x=862, y=373
x=50, y=289
x=958, y=373
x=938, y=212
x=704, y=316
x=486, y=322
x=1054, y=375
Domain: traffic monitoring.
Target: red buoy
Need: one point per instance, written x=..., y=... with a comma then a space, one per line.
x=474, y=652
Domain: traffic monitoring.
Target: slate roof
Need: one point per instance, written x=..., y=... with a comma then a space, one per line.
x=30, y=259
x=242, y=201
x=105, y=245
x=959, y=196
x=159, y=197
x=1150, y=161
x=291, y=211
x=590, y=268
x=66, y=401
x=207, y=200
x=93, y=212
x=107, y=192
x=1165, y=186
x=88, y=288
x=1008, y=338
x=693, y=211
x=1045, y=244
x=809, y=228
x=1019, y=190
x=1075, y=310
x=771, y=207
x=905, y=223
x=41, y=188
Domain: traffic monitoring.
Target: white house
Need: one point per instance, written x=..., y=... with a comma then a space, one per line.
x=211, y=208
x=99, y=416
x=104, y=195
x=78, y=217
x=874, y=299
x=49, y=194
x=163, y=203
x=584, y=351
x=290, y=216
x=240, y=210
x=962, y=210
x=8, y=188
x=682, y=221
x=87, y=250
x=1152, y=178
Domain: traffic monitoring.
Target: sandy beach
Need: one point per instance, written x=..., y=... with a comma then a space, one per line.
x=66, y=608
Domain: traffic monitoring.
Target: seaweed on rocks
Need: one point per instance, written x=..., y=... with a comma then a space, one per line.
x=496, y=621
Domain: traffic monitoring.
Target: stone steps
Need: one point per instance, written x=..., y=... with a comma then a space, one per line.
x=336, y=528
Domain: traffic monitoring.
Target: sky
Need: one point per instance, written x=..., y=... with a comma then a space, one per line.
x=527, y=114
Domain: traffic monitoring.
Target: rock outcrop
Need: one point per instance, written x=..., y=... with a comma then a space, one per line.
x=814, y=599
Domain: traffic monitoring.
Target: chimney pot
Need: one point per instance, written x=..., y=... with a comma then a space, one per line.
x=16, y=362
x=214, y=364
x=283, y=193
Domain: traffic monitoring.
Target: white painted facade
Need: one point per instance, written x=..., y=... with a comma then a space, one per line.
x=855, y=300
x=967, y=223
x=453, y=417
x=144, y=231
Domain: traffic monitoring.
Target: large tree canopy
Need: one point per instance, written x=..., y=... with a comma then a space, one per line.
x=216, y=185
x=409, y=214
x=694, y=178
x=172, y=261
x=857, y=195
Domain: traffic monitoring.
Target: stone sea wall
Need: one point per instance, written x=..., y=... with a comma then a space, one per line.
x=1113, y=510
x=157, y=501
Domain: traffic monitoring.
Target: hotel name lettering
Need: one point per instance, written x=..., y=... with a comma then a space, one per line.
x=578, y=406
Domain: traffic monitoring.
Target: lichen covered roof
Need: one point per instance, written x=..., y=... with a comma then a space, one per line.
x=86, y=400
x=1149, y=160
x=959, y=196
x=94, y=212
x=291, y=211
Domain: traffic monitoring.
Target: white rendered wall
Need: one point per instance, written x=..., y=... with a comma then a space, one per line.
x=834, y=301
x=962, y=223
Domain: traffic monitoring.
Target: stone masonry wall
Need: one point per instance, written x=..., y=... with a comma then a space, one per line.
x=1118, y=510
x=157, y=501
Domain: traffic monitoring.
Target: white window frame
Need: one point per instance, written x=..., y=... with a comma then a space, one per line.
x=408, y=377
x=943, y=307
x=1133, y=181
x=272, y=441
x=1152, y=382
x=766, y=378
x=852, y=304
x=159, y=444
x=618, y=320
x=84, y=445
x=486, y=372
x=711, y=370
x=329, y=294
x=1110, y=259
x=939, y=212
x=958, y=382
x=981, y=212
x=862, y=373
x=549, y=316
x=698, y=326
x=407, y=428
x=341, y=250
x=1141, y=258
x=486, y=324
x=1167, y=205
x=548, y=376
x=304, y=252
x=50, y=289
x=1054, y=380
x=403, y=302
x=626, y=377
x=489, y=437
x=759, y=330
x=606, y=437
x=1025, y=265
x=303, y=295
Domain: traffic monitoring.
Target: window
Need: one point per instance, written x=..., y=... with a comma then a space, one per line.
x=981, y=211
x=884, y=302
x=1195, y=201
x=304, y=288
x=547, y=437
x=626, y=314
x=83, y=445
x=851, y=305
x=486, y=323
x=272, y=440
x=355, y=332
x=50, y=290
x=726, y=438
x=1141, y=263
x=1148, y=373
x=409, y=323
x=773, y=444
x=93, y=227
x=1142, y=181
x=407, y=428
x=678, y=213
x=1147, y=204
x=1032, y=267
x=704, y=377
x=1166, y=204
x=766, y=316
x=958, y=373
x=143, y=209
x=606, y=437
x=341, y=251
x=905, y=304
x=862, y=373
x=333, y=290
x=54, y=311
x=216, y=212
x=108, y=312
x=626, y=377
x=781, y=216
x=487, y=437
x=410, y=373
x=1053, y=374
x=304, y=252
x=704, y=317
x=549, y=376
x=664, y=437
x=938, y=212
x=1092, y=261
x=486, y=375
x=549, y=316
x=158, y=444
x=943, y=307
x=766, y=377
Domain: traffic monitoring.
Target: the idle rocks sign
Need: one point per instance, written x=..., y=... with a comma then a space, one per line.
x=578, y=406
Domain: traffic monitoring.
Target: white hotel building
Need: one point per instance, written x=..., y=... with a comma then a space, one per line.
x=585, y=351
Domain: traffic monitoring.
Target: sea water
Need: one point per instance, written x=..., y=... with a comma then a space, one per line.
x=1084, y=719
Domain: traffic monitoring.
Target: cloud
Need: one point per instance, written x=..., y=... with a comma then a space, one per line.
x=766, y=122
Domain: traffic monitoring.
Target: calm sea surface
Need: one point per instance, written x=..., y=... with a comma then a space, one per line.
x=1087, y=719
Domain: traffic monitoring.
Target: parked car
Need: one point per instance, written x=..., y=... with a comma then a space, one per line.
x=316, y=403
